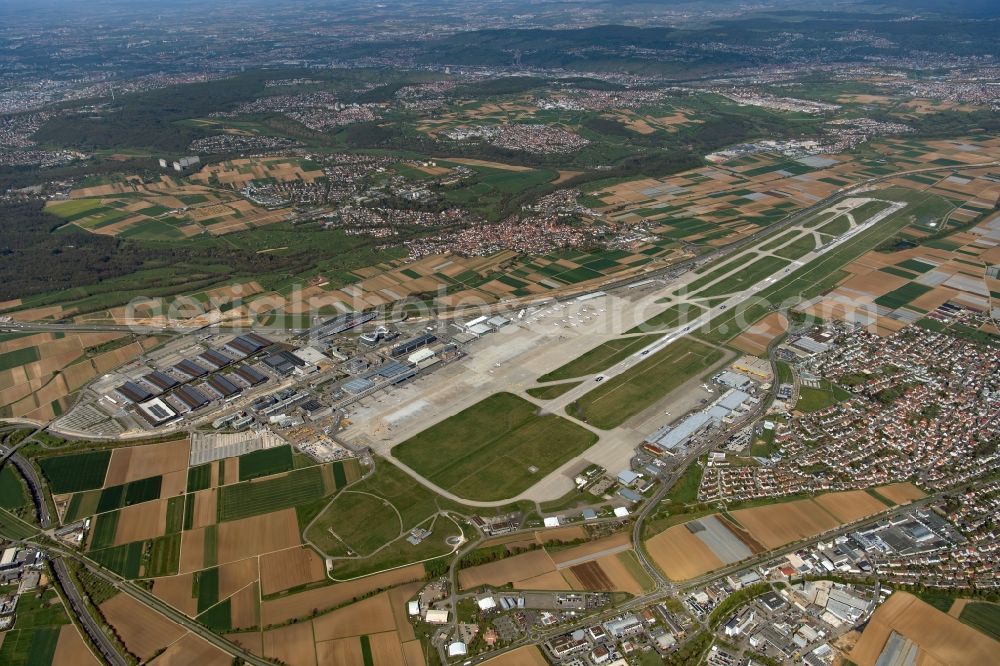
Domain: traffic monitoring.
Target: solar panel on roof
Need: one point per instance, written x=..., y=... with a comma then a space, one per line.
x=191, y=368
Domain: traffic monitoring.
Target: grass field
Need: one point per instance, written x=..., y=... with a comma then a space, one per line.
x=815, y=399
x=599, y=358
x=76, y=471
x=33, y=639
x=105, y=526
x=246, y=499
x=164, y=556
x=485, y=452
x=199, y=478
x=552, y=391
x=675, y=315
x=11, y=490
x=124, y=560
x=381, y=523
x=18, y=357
x=265, y=462
x=751, y=274
x=983, y=616
x=622, y=397
x=903, y=295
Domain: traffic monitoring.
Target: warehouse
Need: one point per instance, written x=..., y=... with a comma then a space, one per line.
x=223, y=386
x=247, y=345
x=160, y=380
x=215, y=360
x=155, y=412
x=284, y=362
x=191, y=369
x=420, y=356
x=133, y=392
x=192, y=397
x=250, y=376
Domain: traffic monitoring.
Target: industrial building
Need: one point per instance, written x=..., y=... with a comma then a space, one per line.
x=249, y=375
x=191, y=397
x=673, y=439
x=340, y=324
x=156, y=413
x=190, y=369
x=247, y=344
x=412, y=345
x=225, y=388
x=162, y=381
x=133, y=392
x=284, y=362
x=215, y=360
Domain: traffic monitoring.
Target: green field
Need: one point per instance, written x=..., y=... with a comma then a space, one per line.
x=903, y=295
x=265, y=462
x=983, y=616
x=11, y=489
x=175, y=514
x=199, y=478
x=380, y=525
x=105, y=527
x=750, y=275
x=242, y=500
x=164, y=556
x=18, y=357
x=206, y=588
x=552, y=391
x=76, y=471
x=675, y=315
x=815, y=399
x=484, y=452
x=797, y=249
x=124, y=560
x=617, y=399
x=599, y=358
x=32, y=641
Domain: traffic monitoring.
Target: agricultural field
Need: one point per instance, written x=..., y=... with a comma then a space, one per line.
x=695, y=547
x=40, y=372
x=605, y=564
x=481, y=462
x=622, y=397
x=938, y=635
x=42, y=629
x=983, y=616
x=175, y=209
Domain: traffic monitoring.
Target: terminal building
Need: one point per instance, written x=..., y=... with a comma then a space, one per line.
x=340, y=324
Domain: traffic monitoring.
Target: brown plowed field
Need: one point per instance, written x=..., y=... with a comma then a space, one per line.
x=144, y=631
x=192, y=650
x=413, y=653
x=141, y=521
x=386, y=649
x=289, y=568
x=900, y=493
x=243, y=607
x=236, y=575
x=71, y=650
x=174, y=484
x=140, y=462
x=591, y=548
x=192, y=551
x=342, y=651
x=938, y=635
x=253, y=642
x=553, y=580
x=239, y=539
x=287, y=608
x=293, y=645
x=592, y=577
x=205, y=508
x=680, y=554
x=778, y=524
x=519, y=567
x=561, y=534
x=368, y=616
x=615, y=570
x=176, y=591
x=529, y=655
x=850, y=506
